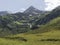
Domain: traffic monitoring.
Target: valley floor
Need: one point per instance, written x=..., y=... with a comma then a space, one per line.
x=47, y=38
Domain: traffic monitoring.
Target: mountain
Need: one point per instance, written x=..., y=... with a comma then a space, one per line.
x=20, y=23
x=53, y=14
x=33, y=11
x=14, y=23
x=4, y=13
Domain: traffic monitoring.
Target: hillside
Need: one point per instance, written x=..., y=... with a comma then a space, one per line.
x=50, y=26
x=53, y=14
x=13, y=24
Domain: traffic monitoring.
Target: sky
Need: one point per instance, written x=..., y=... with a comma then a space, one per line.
x=21, y=5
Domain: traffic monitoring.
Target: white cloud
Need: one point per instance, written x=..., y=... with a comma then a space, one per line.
x=51, y=4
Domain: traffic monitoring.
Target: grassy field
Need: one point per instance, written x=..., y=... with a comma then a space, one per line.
x=33, y=39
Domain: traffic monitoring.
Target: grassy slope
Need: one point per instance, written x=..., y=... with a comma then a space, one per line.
x=53, y=28
x=52, y=25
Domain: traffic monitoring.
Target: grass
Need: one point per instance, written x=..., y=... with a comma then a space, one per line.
x=9, y=42
x=33, y=39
